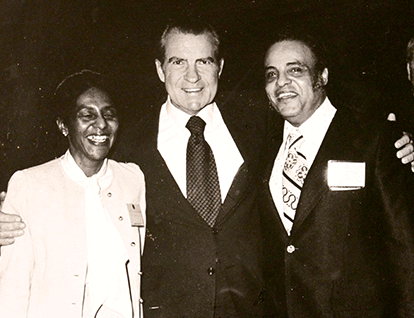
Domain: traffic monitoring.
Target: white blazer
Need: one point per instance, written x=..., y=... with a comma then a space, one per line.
x=42, y=274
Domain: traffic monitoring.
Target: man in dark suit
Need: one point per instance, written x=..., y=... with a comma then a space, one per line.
x=337, y=218
x=195, y=266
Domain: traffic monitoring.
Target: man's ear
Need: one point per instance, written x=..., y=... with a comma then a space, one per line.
x=160, y=71
x=321, y=79
x=62, y=127
x=324, y=76
x=221, y=65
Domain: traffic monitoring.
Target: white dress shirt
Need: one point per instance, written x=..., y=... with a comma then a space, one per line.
x=173, y=138
x=313, y=131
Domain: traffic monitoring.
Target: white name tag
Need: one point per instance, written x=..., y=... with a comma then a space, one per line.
x=345, y=175
x=135, y=214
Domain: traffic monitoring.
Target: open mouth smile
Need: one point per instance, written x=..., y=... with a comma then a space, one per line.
x=192, y=90
x=98, y=139
x=286, y=95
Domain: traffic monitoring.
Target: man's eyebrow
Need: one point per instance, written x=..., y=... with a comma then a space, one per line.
x=81, y=107
x=209, y=58
x=174, y=58
x=270, y=68
x=297, y=63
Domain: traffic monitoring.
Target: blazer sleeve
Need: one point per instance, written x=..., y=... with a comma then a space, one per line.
x=16, y=262
x=394, y=192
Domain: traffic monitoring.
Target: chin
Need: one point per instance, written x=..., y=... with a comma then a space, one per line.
x=99, y=155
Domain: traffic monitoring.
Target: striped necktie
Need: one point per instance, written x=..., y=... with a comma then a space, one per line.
x=294, y=173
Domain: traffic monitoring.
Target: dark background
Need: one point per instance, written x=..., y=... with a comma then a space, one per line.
x=41, y=42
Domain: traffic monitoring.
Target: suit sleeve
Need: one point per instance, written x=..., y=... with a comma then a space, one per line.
x=394, y=186
x=16, y=262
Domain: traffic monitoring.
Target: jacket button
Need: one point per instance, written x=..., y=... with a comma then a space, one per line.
x=290, y=249
x=214, y=231
x=210, y=271
x=109, y=194
x=132, y=244
x=120, y=218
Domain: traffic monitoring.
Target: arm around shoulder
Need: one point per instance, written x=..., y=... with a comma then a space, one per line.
x=16, y=262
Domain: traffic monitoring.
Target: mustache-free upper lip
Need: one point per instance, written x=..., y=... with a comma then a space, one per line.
x=189, y=89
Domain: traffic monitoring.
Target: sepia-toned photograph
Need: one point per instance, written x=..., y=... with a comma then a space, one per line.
x=206, y=159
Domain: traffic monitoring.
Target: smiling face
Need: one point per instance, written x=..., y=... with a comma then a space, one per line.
x=190, y=70
x=292, y=86
x=92, y=130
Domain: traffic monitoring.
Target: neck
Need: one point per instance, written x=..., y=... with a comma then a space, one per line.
x=89, y=167
x=89, y=171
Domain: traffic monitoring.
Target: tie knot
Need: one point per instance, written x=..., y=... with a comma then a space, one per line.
x=196, y=125
x=294, y=138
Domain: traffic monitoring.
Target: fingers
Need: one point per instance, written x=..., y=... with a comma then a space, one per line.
x=9, y=218
x=7, y=228
x=11, y=226
x=406, y=154
x=5, y=242
x=404, y=140
x=7, y=238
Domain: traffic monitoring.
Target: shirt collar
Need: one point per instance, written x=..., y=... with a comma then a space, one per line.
x=71, y=168
x=180, y=118
x=316, y=125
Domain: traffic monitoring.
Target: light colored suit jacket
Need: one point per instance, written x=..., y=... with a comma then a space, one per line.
x=43, y=273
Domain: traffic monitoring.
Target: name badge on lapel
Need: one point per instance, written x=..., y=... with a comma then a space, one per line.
x=135, y=214
x=346, y=175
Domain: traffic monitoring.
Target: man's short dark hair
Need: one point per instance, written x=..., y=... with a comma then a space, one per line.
x=189, y=25
x=410, y=50
x=317, y=48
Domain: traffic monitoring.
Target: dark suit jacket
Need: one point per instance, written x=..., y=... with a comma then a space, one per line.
x=353, y=250
x=190, y=269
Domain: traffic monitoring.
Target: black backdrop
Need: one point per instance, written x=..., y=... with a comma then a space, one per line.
x=42, y=41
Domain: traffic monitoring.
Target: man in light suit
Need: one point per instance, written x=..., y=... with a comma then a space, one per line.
x=334, y=201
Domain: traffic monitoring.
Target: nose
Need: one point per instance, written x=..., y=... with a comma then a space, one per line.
x=191, y=74
x=101, y=122
x=283, y=79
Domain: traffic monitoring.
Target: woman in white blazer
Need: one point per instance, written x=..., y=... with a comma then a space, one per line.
x=80, y=256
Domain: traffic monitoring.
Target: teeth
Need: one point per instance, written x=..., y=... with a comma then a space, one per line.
x=98, y=138
x=286, y=95
x=192, y=90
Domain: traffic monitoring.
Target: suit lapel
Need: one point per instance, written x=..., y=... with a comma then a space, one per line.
x=248, y=142
x=159, y=178
x=275, y=140
x=240, y=183
x=315, y=186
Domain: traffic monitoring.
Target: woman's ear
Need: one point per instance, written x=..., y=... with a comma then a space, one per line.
x=62, y=127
